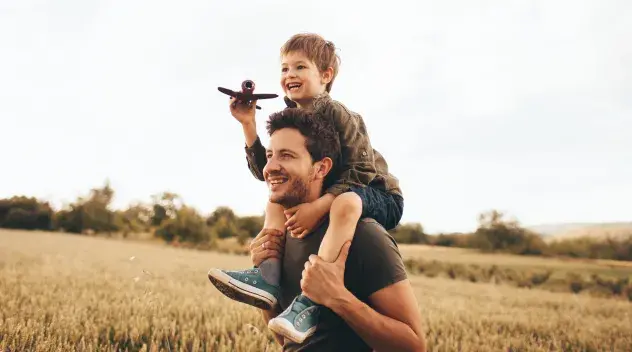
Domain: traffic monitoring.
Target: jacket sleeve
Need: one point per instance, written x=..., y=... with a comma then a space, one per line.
x=256, y=157
x=357, y=165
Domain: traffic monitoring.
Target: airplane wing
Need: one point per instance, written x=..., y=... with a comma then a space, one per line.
x=229, y=92
x=264, y=96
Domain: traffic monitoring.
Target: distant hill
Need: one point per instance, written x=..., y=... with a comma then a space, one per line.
x=574, y=230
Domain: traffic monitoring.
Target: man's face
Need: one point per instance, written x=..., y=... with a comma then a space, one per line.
x=289, y=172
x=300, y=78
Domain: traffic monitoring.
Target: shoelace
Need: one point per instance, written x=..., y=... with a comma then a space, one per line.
x=301, y=303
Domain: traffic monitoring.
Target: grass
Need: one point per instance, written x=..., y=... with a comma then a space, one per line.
x=602, y=278
x=559, y=265
x=68, y=292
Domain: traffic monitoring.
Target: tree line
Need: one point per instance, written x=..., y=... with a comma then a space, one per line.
x=168, y=218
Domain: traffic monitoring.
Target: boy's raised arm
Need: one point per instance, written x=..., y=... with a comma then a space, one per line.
x=255, y=151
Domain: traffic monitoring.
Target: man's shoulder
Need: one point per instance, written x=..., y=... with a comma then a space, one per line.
x=376, y=256
x=373, y=234
x=371, y=225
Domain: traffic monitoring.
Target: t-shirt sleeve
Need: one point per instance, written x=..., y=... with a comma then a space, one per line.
x=381, y=262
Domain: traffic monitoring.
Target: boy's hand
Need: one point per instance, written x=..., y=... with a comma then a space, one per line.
x=303, y=218
x=243, y=113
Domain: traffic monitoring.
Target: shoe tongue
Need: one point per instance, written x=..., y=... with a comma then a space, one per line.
x=304, y=301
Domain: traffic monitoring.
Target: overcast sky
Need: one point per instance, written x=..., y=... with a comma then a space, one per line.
x=521, y=106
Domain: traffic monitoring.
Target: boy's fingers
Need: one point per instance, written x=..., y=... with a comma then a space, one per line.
x=297, y=232
x=290, y=222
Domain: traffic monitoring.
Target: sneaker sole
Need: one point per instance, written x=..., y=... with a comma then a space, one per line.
x=285, y=328
x=241, y=292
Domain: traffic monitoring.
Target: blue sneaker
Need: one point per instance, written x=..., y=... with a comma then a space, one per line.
x=299, y=321
x=246, y=286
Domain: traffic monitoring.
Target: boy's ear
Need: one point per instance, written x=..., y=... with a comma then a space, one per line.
x=327, y=75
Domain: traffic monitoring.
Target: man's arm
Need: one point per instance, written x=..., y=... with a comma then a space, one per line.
x=269, y=314
x=394, y=324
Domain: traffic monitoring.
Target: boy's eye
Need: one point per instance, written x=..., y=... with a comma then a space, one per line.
x=284, y=69
x=300, y=67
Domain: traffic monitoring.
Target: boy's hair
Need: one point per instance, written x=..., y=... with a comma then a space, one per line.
x=321, y=138
x=317, y=49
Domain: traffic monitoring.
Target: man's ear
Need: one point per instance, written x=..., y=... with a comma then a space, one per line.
x=323, y=167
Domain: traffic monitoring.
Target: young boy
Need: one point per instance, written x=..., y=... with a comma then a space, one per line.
x=364, y=187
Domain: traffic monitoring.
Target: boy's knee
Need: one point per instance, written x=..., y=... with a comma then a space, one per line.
x=348, y=203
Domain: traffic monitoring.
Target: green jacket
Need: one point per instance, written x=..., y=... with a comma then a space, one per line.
x=361, y=164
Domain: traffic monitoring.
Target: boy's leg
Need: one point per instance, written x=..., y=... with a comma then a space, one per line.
x=259, y=286
x=300, y=319
x=383, y=207
x=343, y=218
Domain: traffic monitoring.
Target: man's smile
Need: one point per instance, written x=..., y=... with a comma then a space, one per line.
x=276, y=181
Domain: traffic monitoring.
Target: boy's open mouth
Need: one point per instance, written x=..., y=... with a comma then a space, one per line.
x=293, y=86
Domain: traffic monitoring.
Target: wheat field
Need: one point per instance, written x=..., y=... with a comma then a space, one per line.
x=62, y=292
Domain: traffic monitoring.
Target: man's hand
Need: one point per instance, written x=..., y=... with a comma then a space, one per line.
x=303, y=218
x=269, y=243
x=323, y=281
x=245, y=114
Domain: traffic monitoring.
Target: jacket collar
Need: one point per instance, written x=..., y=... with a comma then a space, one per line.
x=318, y=101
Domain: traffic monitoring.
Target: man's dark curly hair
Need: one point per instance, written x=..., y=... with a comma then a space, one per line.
x=319, y=131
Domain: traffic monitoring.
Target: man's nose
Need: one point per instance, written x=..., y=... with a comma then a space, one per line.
x=271, y=165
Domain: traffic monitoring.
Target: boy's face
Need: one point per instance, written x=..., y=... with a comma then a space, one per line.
x=300, y=78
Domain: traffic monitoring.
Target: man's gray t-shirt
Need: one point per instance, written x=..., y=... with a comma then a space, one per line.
x=374, y=262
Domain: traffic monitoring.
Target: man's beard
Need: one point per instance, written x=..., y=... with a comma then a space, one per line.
x=296, y=194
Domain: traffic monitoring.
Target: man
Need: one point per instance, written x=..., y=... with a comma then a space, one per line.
x=371, y=305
